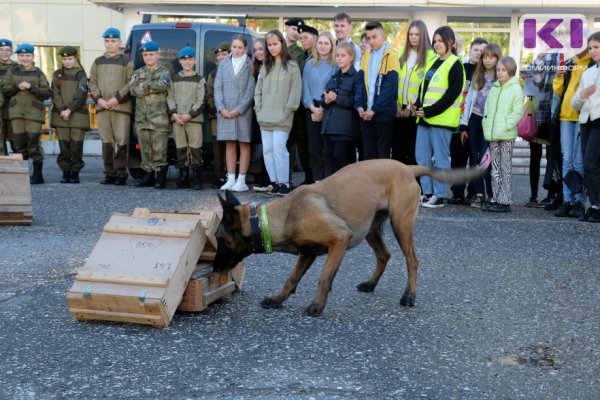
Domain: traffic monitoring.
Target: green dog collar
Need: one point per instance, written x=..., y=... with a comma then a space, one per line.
x=266, y=229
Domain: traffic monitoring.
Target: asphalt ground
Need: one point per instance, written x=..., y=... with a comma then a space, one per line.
x=507, y=308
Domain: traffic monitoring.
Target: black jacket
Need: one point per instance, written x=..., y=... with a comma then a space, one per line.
x=341, y=117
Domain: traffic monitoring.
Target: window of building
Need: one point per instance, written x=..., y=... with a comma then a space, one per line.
x=596, y=26
x=493, y=29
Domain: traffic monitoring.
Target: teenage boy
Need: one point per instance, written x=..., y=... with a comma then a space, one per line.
x=150, y=85
x=459, y=144
x=6, y=63
x=109, y=77
x=342, y=26
x=376, y=101
x=221, y=53
x=291, y=38
x=186, y=106
x=28, y=87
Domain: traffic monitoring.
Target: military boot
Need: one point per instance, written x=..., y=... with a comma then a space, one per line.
x=74, y=176
x=184, y=178
x=37, y=177
x=147, y=180
x=161, y=177
x=66, y=178
x=197, y=182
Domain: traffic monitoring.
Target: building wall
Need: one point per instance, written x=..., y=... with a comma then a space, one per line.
x=58, y=23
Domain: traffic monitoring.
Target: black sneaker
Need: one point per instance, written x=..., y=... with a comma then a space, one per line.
x=578, y=210
x=284, y=190
x=275, y=189
x=564, y=210
x=545, y=202
x=121, y=181
x=532, y=202
x=593, y=215
x=499, y=208
x=457, y=199
x=478, y=201
x=555, y=205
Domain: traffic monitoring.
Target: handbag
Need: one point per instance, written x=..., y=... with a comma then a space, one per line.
x=527, y=127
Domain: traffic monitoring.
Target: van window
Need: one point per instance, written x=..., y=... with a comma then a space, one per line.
x=212, y=39
x=170, y=41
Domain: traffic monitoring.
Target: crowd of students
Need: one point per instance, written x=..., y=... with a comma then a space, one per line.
x=326, y=101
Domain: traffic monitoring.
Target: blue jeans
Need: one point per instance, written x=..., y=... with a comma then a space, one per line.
x=433, y=142
x=570, y=144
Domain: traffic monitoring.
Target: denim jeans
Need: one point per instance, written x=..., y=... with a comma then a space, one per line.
x=276, y=155
x=478, y=147
x=570, y=144
x=433, y=151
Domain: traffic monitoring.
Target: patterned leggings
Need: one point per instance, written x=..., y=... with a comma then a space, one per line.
x=501, y=153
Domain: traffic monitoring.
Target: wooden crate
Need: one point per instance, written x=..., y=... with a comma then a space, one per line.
x=206, y=287
x=210, y=221
x=15, y=191
x=138, y=270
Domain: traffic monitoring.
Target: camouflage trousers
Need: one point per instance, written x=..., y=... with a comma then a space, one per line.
x=114, y=133
x=26, y=138
x=70, y=141
x=188, y=140
x=153, y=149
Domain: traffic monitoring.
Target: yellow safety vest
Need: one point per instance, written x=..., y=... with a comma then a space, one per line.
x=438, y=85
x=416, y=77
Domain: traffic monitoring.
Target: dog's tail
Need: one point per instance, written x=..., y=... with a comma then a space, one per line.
x=452, y=176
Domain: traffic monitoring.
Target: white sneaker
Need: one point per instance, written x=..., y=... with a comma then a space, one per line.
x=239, y=186
x=228, y=185
x=434, y=202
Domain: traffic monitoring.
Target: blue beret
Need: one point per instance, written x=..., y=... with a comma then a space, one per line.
x=5, y=42
x=187, y=52
x=149, y=46
x=25, y=48
x=111, y=33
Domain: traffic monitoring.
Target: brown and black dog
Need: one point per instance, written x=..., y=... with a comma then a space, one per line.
x=330, y=217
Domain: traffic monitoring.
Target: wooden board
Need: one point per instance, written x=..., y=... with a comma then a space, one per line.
x=210, y=221
x=206, y=287
x=15, y=191
x=138, y=270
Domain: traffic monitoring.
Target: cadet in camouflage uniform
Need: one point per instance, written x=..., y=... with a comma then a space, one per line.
x=298, y=136
x=6, y=63
x=221, y=53
x=70, y=115
x=151, y=85
x=27, y=86
x=186, y=106
x=109, y=77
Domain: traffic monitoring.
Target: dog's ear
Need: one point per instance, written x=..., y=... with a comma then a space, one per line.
x=231, y=217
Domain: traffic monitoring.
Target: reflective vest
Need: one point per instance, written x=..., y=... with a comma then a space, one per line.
x=416, y=77
x=438, y=85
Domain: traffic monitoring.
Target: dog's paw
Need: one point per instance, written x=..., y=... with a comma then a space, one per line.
x=270, y=302
x=366, y=287
x=407, y=301
x=314, y=310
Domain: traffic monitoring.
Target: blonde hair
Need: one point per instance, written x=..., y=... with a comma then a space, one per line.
x=349, y=47
x=510, y=64
x=330, y=57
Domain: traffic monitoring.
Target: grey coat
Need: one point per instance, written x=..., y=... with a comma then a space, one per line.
x=234, y=93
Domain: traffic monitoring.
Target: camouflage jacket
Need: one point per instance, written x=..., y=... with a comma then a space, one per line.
x=187, y=95
x=3, y=70
x=69, y=90
x=298, y=54
x=108, y=78
x=210, y=94
x=151, y=87
x=26, y=104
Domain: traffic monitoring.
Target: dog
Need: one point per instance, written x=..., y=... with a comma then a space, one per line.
x=330, y=217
